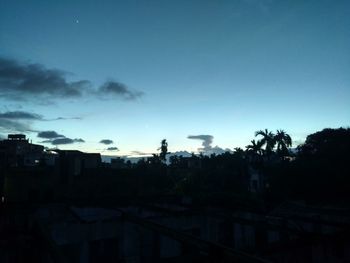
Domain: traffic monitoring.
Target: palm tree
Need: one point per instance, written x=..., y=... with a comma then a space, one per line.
x=255, y=147
x=268, y=140
x=283, y=141
x=255, y=151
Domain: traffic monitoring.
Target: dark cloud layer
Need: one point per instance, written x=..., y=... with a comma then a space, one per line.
x=65, y=140
x=112, y=149
x=55, y=138
x=14, y=126
x=22, y=81
x=118, y=89
x=49, y=135
x=20, y=121
x=28, y=81
x=20, y=115
x=17, y=121
x=65, y=118
x=106, y=141
x=24, y=115
x=140, y=153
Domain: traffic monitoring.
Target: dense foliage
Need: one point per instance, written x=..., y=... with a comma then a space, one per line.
x=316, y=171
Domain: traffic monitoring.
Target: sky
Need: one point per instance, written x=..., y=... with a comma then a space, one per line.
x=117, y=77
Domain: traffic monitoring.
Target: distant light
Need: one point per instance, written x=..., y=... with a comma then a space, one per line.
x=3, y=199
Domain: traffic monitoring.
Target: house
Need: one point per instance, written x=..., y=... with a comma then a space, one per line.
x=17, y=151
x=73, y=163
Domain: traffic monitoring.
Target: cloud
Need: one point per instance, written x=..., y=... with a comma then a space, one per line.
x=207, y=140
x=112, y=149
x=298, y=142
x=14, y=126
x=49, y=135
x=56, y=139
x=218, y=150
x=106, y=141
x=180, y=153
x=20, y=115
x=23, y=81
x=132, y=153
x=46, y=141
x=20, y=121
x=65, y=140
x=65, y=118
x=118, y=89
x=17, y=121
x=24, y=115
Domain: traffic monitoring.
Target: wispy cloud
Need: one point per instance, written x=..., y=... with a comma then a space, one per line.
x=64, y=118
x=21, y=121
x=20, y=115
x=113, y=88
x=24, y=115
x=139, y=153
x=7, y=125
x=112, y=149
x=17, y=121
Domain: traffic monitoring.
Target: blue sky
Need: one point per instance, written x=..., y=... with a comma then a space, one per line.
x=220, y=68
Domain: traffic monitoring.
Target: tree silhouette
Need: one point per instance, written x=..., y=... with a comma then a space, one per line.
x=327, y=143
x=283, y=141
x=238, y=152
x=268, y=139
x=163, y=150
x=255, y=147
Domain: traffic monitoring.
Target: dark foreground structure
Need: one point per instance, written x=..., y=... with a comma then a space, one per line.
x=246, y=206
x=164, y=232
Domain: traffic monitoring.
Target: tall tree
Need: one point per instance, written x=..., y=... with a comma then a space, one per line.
x=255, y=152
x=283, y=141
x=268, y=140
x=255, y=147
x=163, y=150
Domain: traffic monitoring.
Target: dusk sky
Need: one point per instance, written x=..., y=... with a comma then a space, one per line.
x=126, y=74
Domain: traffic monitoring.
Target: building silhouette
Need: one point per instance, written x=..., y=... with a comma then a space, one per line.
x=17, y=151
